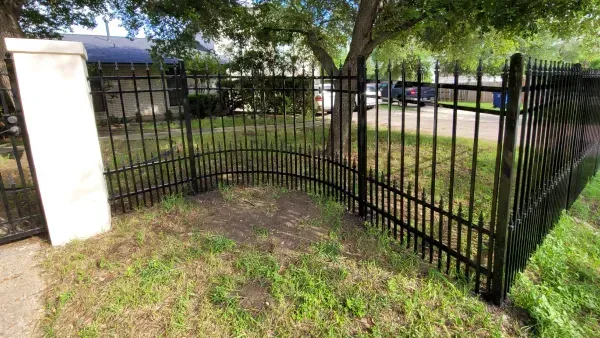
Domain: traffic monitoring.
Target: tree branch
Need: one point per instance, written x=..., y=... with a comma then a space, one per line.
x=291, y=30
x=363, y=26
x=381, y=38
x=314, y=44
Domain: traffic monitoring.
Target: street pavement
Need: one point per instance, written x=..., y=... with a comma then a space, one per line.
x=465, y=123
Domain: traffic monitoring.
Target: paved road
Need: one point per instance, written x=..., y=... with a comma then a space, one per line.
x=465, y=126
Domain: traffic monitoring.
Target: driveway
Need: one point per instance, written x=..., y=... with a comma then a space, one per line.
x=465, y=126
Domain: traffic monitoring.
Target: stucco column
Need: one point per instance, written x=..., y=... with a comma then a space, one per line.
x=58, y=112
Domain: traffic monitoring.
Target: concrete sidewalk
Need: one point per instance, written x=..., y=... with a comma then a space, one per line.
x=21, y=288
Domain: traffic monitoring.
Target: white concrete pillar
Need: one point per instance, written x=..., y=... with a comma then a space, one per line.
x=57, y=105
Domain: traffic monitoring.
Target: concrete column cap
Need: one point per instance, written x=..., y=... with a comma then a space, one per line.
x=35, y=46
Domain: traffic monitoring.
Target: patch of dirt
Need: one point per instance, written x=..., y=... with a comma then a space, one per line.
x=288, y=219
x=255, y=297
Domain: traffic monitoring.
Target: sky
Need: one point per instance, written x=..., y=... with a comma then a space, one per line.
x=113, y=26
x=116, y=30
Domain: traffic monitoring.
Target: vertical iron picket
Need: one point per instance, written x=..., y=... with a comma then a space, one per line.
x=192, y=175
x=362, y=137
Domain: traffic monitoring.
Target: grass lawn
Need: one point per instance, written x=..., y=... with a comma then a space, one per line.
x=463, y=159
x=223, y=121
x=403, y=170
x=561, y=286
x=470, y=104
x=255, y=262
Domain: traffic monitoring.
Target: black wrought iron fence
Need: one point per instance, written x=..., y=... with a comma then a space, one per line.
x=473, y=187
x=21, y=212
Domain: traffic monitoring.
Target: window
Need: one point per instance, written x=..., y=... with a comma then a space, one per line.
x=172, y=86
x=398, y=84
x=97, y=98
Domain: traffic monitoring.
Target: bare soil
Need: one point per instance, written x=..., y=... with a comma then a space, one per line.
x=254, y=297
x=286, y=218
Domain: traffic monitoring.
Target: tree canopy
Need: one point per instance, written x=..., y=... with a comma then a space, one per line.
x=47, y=18
x=335, y=31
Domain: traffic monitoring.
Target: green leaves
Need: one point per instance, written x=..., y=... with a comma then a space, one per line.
x=47, y=18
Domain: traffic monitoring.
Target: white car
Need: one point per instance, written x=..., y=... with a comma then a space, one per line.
x=324, y=100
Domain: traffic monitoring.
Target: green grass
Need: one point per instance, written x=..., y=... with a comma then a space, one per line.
x=219, y=122
x=464, y=153
x=471, y=104
x=175, y=202
x=181, y=281
x=261, y=232
x=4, y=160
x=216, y=244
x=404, y=174
x=560, y=288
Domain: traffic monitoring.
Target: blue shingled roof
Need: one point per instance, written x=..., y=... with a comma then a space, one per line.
x=118, y=49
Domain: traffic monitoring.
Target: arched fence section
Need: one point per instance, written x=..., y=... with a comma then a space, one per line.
x=471, y=186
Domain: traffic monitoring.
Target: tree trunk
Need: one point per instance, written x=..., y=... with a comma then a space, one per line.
x=10, y=12
x=341, y=112
x=360, y=45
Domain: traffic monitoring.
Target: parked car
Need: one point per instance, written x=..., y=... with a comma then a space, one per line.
x=323, y=99
x=427, y=93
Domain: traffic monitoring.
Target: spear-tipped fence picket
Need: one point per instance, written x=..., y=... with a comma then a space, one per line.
x=472, y=188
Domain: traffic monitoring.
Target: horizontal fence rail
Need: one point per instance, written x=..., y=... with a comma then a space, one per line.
x=427, y=169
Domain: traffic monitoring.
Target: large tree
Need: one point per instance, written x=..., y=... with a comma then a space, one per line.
x=362, y=26
x=354, y=27
x=45, y=18
x=326, y=27
x=42, y=19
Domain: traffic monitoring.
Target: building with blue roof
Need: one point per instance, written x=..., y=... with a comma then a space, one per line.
x=131, y=60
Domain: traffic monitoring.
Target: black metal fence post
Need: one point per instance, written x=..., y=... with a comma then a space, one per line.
x=515, y=83
x=193, y=175
x=575, y=141
x=362, y=136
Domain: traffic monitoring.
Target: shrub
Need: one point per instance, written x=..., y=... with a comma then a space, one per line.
x=216, y=104
x=257, y=95
x=113, y=120
x=203, y=105
x=169, y=116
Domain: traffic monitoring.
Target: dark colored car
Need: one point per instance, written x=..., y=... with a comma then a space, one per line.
x=427, y=93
